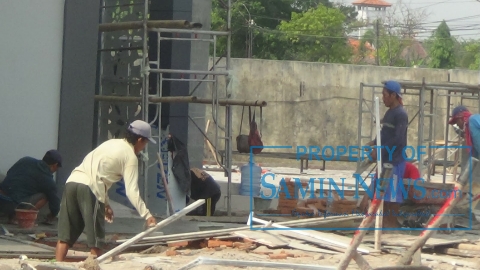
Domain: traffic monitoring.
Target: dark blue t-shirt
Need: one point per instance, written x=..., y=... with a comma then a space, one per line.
x=30, y=176
x=394, y=134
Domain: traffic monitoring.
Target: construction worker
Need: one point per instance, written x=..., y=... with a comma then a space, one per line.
x=203, y=186
x=85, y=204
x=394, y=136
x=469, y=125
x=29, y=183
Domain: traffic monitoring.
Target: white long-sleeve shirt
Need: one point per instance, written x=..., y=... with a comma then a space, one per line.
x=106, y=165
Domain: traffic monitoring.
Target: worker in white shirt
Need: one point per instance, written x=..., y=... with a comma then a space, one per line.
x=85, y=205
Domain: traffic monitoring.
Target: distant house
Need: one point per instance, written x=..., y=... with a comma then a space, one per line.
x=414, y=54
x=362, y=54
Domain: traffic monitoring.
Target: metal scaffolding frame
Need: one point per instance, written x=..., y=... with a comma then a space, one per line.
x=149, y=66
x=428, y=93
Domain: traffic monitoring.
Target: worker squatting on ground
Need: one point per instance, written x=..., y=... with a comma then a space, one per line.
x=393, y=134
x=29, y=182
x=85, y=203
x=203, y=186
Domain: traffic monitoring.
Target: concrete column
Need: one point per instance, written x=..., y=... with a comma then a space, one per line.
x=75, y=134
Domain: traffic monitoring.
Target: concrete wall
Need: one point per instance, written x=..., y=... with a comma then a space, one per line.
x=326, y=111
x=30, y=72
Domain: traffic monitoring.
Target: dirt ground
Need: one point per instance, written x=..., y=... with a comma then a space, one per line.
x=184, y=256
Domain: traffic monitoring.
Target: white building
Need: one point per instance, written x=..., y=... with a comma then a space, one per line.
x=369, y=11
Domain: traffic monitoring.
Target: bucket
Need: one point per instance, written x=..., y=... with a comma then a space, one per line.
x=255, y=178
x=26, y=217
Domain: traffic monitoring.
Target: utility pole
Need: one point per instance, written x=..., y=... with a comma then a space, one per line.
x=377, y=46
x=249, y=41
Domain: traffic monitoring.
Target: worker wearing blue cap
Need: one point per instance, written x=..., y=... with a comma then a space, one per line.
x=393, y=136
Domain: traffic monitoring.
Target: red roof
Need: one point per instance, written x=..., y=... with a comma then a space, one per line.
x=373, y=3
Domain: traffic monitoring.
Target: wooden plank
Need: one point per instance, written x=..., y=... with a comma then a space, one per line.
x=300, y=245
x=459, y=252
x=403, y=240
x=323, y=243
x=264, y=238
x=452, y=261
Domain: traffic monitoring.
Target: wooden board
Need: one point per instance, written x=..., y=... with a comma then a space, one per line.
x=343, y=241
x=403, y=240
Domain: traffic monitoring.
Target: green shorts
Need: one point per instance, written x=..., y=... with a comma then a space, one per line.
x=81, y=211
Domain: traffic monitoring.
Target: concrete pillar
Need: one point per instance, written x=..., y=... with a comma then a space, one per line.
x=78, y=84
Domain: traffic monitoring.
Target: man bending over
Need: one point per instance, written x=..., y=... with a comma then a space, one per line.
x=85, y=204
x=29, y=182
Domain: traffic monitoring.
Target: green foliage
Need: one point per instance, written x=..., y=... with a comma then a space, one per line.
x=473, y=49
x=270, y=39
x=442, y=53
x=467, y=54
x=318, y=35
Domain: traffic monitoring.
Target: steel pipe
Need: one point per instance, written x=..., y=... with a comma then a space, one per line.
x=184, y=31
x=182, y=24
x=187, y=99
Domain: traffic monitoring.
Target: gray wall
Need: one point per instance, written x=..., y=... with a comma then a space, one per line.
x=30, y=73
x=327, y=112
x=78, y=83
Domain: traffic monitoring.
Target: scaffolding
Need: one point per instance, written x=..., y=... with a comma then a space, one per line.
x=126, y=21
x=429, y=94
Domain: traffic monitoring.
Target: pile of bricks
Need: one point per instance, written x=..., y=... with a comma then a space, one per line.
x=184, y=248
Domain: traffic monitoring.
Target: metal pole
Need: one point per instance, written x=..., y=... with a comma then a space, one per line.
x=385, y=174
x=359, y=128
x=436, y=221
x=421, y=121
x=228, y=113
x=100, y=82
x=159, y=225
x=119, y=26
x=430, y=133
x=379, y=217
x=445, y=154
x=145, y=94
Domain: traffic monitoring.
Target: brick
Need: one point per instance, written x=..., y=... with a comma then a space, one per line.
x=171, y=253
x=278, y=256
x=178, y=244
x=218, y=243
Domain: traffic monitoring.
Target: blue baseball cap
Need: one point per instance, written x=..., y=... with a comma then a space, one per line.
x=455, y=113
x=393, y=86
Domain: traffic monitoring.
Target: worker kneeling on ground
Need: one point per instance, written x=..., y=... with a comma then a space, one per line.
x=85, y=204
x=29, y=183
x=203, y=186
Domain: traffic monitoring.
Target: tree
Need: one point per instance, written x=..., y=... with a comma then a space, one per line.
x=442, y=54
x=268, y=42
x=318, y=35
x=467, y=54
x=473, y=49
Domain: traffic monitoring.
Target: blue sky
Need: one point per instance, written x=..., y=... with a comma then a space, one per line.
x=462, y=16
